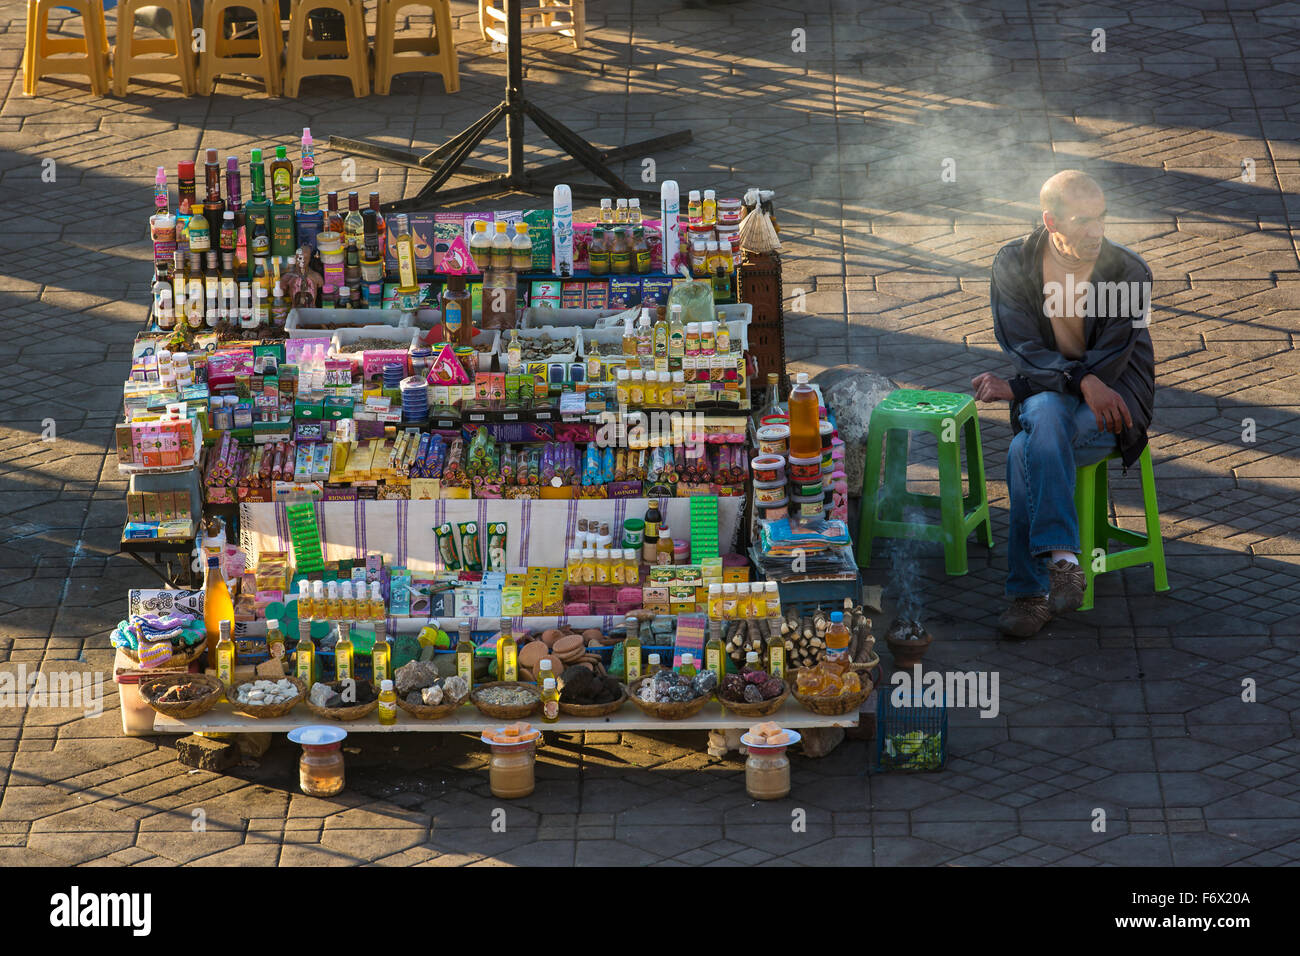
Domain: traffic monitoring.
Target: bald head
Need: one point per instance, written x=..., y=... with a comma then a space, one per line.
x=1066, y=187
x=1074, y=212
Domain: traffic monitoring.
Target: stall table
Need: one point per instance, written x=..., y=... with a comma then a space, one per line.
x=220, y=719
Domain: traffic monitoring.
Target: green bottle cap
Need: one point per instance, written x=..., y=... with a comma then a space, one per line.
x=280, y=153
x=257, y=155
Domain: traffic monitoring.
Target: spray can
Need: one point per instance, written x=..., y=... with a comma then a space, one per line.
x=670, y=202
x=563, y=229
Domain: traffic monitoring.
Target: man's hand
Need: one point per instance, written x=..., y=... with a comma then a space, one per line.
x=1106, y=404
x=989, y=388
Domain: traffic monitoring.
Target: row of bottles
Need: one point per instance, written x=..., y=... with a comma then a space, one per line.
x=501, y=250
x=616, y=252
x=744, y=601
x=626, y=212
x=336, y=601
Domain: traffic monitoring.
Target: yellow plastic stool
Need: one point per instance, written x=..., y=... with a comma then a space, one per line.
x=41, y=52
x=302, y=56
x=132, y=55
x=257, y=57
x=492, y=19
x=437, y=53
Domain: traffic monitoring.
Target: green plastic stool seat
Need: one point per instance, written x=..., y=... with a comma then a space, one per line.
x=947, y=416
x=1092, y=502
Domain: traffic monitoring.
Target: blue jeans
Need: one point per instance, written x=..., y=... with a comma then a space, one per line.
x=1058, y=434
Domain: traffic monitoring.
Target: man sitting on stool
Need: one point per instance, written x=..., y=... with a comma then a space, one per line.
x=1070, y=310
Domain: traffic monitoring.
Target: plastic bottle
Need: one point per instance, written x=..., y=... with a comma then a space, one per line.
x=715, y=602
x=620, y=211
x=634, y=212
x=805, y=432
x=687, y=668
x=773, y=599
x=502, y=252
x=274, y=639
x=521, y=249
x=387, y=703
x=752, y=663
x=550, y=701
x=598, y=253
x=709, y=209
x=544, y=670
x=837, y=641
x=606, y=212
x=217, y=607
x=694, y=207
x=729, y=602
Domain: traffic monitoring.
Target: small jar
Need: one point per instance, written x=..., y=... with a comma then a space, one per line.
x=623, y=388
x=588, y=566
x=681, y=551
x=636, y=389
x=631, y=567
x=320, y=770
x=730, y=603
x=510, y=774
x=602, y=566
x=767, y=773
x=573, y=566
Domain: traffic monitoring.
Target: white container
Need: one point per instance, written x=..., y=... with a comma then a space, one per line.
x=572, y=355
x=306, y=323
x=137, y=716
x=401, y=338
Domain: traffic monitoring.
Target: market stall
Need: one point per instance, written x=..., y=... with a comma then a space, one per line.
x=446, y=470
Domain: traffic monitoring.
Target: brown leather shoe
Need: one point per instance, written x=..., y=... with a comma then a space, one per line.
x=1068, y=583
x=1025, y=617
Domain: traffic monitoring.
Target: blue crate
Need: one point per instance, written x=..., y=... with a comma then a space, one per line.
x=894, y=750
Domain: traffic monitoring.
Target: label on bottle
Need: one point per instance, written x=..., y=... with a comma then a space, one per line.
x=304, y=668
x=465, y=668
x=776, y=660
x=387, y=712
x=509, y=670
x=620, y=261
x=643, y=260
x=551, y=709
x=452, y=318
x=632, y=661
x=281, y=185
x=713, y=661
x=343, y=664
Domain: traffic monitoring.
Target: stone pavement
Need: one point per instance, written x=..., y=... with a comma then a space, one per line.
x=1134, y=708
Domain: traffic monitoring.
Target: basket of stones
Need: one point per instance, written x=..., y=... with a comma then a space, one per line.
x=588, y=694
x=753, y=693
x=343, y=699
x=423, y=694
x=830, y=691
x=181, y=695
x=506, y=700
x=670, y=696
x=267, y=698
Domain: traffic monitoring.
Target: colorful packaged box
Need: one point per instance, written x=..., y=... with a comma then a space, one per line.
x=624, y=293
x=597, y=295
x=573, y=295
x=135, y=507
x=546, y=294
x=655, y=291
x=540, y=232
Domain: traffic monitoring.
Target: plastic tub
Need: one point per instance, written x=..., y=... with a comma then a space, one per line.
x=808, y=507
x=137, y=715
x=774, y=439
x=806, y=489
x=774, y=511
x=769, y=492
x=804, y=469
x=768, y=468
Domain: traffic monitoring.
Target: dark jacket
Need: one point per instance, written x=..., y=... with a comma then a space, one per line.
x=1117, y=351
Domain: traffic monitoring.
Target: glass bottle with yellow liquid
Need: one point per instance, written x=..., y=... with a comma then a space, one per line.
x=632, y=650
x=332, y=612
x=225, y=658
x=715, y=652
x=687, y=667
x=305, y=654
x=343, y=651
x=550, y=701
x=775, y=648
x=507, y=654
x=382, y=659
x=319, y=602
x=305, y=608
x=544, y=670
x=387, y=710
x=465, y=655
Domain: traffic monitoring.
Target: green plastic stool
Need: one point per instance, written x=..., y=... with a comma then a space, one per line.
x=943, y=414
x=1096, y=532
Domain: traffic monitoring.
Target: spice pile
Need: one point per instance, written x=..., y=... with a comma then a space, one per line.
x=516, y=696
x=668, y=686
x=751, y=687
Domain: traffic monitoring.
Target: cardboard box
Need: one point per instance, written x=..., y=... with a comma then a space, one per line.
x=135, y=506
x=152, y=507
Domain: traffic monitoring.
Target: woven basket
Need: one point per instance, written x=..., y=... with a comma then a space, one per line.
x=185, y=655
x=834, y=706
x=263, y=711
x=504, y=712
x=764, y=708
x=355, y=712
x=669, y=710
x=154, y=687
x=431, y=711
x=593, y=710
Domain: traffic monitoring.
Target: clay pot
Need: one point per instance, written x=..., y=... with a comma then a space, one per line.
x=907, y=653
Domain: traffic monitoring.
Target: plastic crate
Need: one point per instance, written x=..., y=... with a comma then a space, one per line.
x=910, y=738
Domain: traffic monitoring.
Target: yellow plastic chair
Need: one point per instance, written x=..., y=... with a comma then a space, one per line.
x=435, y=54
x=133, y=56
x=43, y=54
x=303, y=55
x=250, y=56
x=565, y=17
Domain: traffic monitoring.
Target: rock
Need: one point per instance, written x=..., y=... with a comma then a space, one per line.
x=322, y=695
x=431, y=696
x=851, y=392
x=253, y=745
x=415, y=698
x=454, y=687
x=819, y=741
x=206, y=753
x=414, y=675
